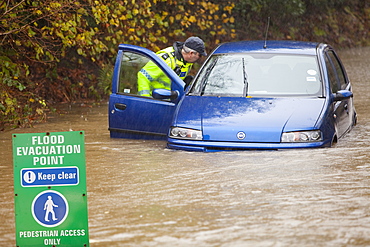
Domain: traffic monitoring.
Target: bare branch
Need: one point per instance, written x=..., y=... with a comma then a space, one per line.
x=15, y=6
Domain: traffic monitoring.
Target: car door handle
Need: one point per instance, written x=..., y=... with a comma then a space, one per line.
x=120, y=106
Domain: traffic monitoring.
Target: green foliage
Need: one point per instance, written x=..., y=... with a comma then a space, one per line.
x=283, y=15
x=104, y=81
x=15, y=114
x=9, y=73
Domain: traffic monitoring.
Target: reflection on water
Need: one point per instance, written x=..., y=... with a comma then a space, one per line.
x=142, y=194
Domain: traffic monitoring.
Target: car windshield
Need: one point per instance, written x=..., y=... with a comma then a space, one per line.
x=262, y=75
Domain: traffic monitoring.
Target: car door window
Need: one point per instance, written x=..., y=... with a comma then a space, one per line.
x=333, y=79
x=338, y=69
x=131, y=64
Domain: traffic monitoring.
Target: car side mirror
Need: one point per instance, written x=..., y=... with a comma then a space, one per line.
x=342, y=94
x=165, y=94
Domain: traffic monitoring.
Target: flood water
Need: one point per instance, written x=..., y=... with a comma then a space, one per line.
x=142, y=194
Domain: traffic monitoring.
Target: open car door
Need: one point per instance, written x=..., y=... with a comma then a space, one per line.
x=134, y=116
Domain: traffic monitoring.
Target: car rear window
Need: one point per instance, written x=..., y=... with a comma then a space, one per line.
x=262, y=75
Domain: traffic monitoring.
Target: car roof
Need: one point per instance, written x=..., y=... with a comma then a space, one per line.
x=272, y=46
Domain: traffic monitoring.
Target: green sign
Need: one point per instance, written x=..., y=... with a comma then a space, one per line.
x=50, y=189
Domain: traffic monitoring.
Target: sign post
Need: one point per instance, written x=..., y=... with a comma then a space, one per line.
x=50, y=189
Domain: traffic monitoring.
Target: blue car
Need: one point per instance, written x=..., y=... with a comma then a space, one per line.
x=246, y=95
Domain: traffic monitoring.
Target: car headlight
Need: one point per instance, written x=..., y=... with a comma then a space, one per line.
x=184, y=133
x=302, y=136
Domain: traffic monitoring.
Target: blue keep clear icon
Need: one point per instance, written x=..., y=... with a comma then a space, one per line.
x=49, y=208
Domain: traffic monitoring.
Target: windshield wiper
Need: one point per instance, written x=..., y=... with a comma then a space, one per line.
x=205, y=78
x=245, y=77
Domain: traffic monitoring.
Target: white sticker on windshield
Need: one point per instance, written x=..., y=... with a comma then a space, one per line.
x=311, y=72
x=311, y=78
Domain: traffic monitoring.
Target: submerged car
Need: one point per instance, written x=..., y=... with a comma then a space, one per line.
x=247, y=95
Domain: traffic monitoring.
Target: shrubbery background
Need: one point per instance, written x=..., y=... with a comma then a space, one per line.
x=63, y=51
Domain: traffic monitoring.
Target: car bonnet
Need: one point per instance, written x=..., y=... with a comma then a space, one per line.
x=248, y=119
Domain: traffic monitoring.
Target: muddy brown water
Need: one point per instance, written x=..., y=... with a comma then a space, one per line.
x=142, y=194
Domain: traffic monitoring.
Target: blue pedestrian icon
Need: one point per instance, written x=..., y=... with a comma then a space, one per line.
x=50, y=208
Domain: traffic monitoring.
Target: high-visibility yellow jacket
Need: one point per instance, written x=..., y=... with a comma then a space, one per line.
x=151, y=76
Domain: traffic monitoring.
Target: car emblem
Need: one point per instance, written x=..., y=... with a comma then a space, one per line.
x=240, y=135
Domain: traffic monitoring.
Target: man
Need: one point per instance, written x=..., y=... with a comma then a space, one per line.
x=179, y=57
x=49, y=207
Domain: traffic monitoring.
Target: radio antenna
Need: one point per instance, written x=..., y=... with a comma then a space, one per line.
x=267, y=30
